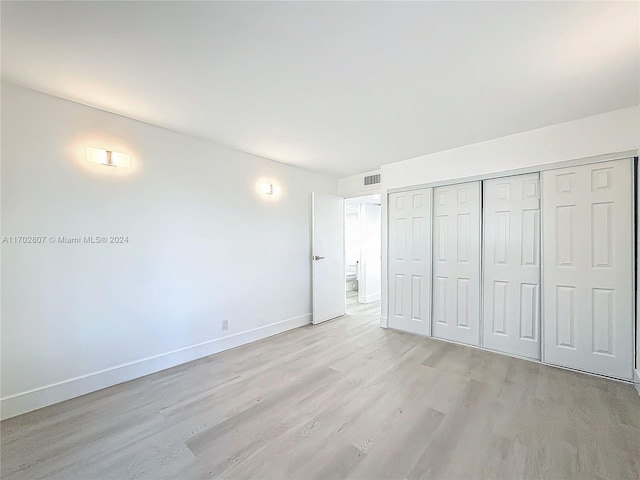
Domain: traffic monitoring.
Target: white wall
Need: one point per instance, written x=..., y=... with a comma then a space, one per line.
x=352, y=238
x=613, y=132
x=204, y=246
x=351, y=243
x=353, y=186
x=369, y=290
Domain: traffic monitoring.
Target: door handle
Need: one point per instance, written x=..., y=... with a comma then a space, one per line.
x=317, y=257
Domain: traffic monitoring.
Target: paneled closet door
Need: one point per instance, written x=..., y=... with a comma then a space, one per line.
x=511, y=252
x=588, y=267
x=456, y=263
x=410, y=261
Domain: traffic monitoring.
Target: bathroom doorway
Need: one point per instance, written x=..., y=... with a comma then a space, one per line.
x=363, y=255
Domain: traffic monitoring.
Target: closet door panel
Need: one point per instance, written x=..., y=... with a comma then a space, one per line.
x=511, y=303
x=588, y=267
x=410, y=261
x=456, y=265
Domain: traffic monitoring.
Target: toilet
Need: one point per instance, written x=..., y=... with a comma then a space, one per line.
x=351, y=277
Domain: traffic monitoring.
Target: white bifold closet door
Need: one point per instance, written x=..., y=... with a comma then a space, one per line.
x=456, y=263
x=588, y=267
x=410, y=261
x=511, y=252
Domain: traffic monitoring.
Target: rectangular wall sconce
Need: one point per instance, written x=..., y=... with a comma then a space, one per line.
x=267, y=188
x=108, y=158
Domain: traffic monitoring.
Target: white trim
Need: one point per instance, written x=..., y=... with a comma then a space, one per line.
x=74, y=387
x=371, y=298
x=431, y=227
x=634, y=256
x=384, y=322
x=636, y=380
x=541, y=303
x=481, y=269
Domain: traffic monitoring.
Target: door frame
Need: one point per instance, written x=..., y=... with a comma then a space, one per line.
x=344, y=233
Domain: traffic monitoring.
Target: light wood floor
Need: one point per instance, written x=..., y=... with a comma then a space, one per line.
x=345, y=399
x=356, y=308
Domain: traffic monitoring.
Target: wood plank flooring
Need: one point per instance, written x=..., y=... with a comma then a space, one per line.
x=356, y=308
x=344, y=399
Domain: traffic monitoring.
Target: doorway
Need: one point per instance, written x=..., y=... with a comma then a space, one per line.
x=363, y=256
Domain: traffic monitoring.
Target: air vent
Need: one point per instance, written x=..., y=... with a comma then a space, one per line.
x=372, y=179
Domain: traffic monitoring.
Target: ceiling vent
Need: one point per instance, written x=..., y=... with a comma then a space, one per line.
x=372, y=179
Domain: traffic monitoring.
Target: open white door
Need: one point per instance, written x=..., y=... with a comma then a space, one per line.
x=327, y=254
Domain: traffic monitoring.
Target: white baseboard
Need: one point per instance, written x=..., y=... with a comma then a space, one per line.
x=370, y=298
x=384, y=322
x=58, y=392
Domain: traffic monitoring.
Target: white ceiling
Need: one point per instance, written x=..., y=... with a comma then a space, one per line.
x=339, y=88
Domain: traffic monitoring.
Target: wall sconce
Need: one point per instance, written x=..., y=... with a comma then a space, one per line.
x=268, y=189
x=108, y=158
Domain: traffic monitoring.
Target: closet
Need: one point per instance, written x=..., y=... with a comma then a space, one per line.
x=538, y=265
